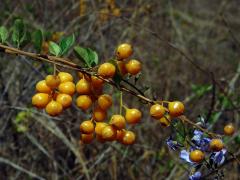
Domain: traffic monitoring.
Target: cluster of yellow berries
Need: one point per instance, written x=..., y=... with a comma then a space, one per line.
x=215, y=145
x=54, y=93
x=111, y=10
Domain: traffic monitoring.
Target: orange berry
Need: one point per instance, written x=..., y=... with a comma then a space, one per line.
x=99, y=114
x=80, y=75
x=216, y=145
x=133, y=116
x=157, y=111
x=196, y=156
x=83, y=86
x=87, y=138
x=165, y=120
x=52, y=81
x=99, y=127
x=45, y=46
x=109, y=133
x=122, y=67
x=84, y=102
x=64, y=99
x=229, y=130
x=54, y=108
x=67, y=88
x=176, y=108
x=40, y=100
x=120, y=135
x=42, y=87
x=65, y=77
x=87, y=127
x=96, y=82
x=128, y=138
x=105, y=101
x=116, y=12
x=133, y=67
x=107, y=70
x=118, y=121
x=124, y=51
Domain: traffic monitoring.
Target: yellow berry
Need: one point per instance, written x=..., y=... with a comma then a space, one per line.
x=105, y=101
x=128, y=138
x=133, y=116
x=83, y=86
x=118, y=121
x=87, y=127
x=133, y=67
x=54, y=108
x=229, y=130
x=52, y=81
x=84, y=102
x=67, y=88
x=87, y=138
x=176, y=108
x=64, y=99
x=109, y=133
x=96, y=82
x=107, y=70
x=124, y=51
x=65, y=77
x=157, y=111
x=196, y=156
x=42, y=87
x=99, y=114
x=40, y=100
x=99, y=127
x=216, y=145
x=165, y=120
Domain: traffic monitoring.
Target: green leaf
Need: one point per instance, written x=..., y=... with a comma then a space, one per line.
x=19, y=32
x=54, y=49
x=89, y=57
x=66, y=43
x=3, y=34
x=37, y=39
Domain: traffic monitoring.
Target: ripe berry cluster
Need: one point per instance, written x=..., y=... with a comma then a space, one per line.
x=54, y=93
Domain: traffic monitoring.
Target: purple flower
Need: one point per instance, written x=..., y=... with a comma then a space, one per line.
x=184, y=155
x=174, y=145
x=218, y=157
x=196, y=176
x=200, y=141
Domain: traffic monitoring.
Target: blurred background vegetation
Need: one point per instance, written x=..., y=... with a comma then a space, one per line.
x=190, y=52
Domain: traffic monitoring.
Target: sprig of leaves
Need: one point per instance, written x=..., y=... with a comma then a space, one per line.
x=87, y=55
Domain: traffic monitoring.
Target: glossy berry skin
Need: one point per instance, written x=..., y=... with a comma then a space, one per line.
x=87, y=127
x=67, y=88
x=216, y=145
x=96, y=82
x=105, y=101
x=84, y=102
x=65, y=77
x=176, y=108
x=133, y=67
x=118, y=121
x=120, y=135
x=99, y=115
x=157, y=111
x=122, y=67
x=128, y=138
x=42, y=87
x=165, y=120
x=124, y=51
x=40, y=100
x=52, y=81
x=133, y=116
x=99, y=127
x=109, y=133
x=64, y=99
x=83, y=86
x=54, y=108
x=196, y=156
x=229, y=129
x=87, y=138
x=107, y=70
